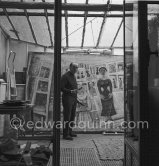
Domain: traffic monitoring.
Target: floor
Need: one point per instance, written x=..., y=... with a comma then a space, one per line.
x=82, y=151
x=84, y=142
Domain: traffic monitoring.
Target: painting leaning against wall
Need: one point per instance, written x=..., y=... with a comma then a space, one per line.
x=88, y=94
x=40, y=87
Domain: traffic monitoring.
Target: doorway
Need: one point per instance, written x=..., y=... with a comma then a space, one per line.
x=92, y=36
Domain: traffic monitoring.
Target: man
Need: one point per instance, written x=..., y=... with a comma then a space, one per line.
x=69, y=100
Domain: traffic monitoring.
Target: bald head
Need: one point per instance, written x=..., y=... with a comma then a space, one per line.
x=73, y=68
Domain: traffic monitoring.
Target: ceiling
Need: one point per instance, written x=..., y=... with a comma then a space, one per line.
x=80, y=29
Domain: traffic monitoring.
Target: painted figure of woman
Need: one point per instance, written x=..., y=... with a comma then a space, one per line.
x=105, y=89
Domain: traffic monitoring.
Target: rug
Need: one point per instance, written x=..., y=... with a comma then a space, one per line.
x=110, y=148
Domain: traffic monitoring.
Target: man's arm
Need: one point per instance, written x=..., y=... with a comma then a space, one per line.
x=63, y=84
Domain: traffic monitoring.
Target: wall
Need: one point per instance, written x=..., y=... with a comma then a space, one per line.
x=21, y=49
x=3, y=53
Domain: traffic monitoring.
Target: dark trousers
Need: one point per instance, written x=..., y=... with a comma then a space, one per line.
x=69, y=113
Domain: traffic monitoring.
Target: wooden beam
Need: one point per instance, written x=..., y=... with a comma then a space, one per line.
x=63, y=15
x=57, y=84
x=48, y=25
x=68, y=6
x=116, y=34
x=10, y=21
x=4, y=31
x=71, y=47
x=84, y=26
x=93, y=47
x=66, y=26
x=30, y=25
x=103, y=23
x=31, y=43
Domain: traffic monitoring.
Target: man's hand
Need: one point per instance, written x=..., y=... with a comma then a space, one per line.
x=74, y=91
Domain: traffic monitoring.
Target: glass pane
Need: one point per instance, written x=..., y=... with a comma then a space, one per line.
x=21, y=25
x=131, y=79
x=75, y=12
x=75, y=28
x=116, y=1
x=40, y=29
x=63, y=33
x=98, y=2
x=109, y=33
x=76, y=1
x=92, y=31
x=7, y=27
x=119, y=39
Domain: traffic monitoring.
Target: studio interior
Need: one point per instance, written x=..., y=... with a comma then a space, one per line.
x=93, y=63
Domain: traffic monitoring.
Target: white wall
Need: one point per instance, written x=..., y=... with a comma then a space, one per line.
x=21, y=49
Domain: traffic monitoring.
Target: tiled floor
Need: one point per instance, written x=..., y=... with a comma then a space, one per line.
x=79, y=151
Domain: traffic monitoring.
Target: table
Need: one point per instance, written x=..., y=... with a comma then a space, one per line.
x=16, y=110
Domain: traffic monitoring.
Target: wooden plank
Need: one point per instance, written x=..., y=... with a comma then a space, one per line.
x=68, y=6
x=10, y=21
x=31, y=43
x=84, y=26
x=63, y=15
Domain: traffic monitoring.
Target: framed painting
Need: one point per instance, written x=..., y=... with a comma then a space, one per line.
x=112, y=68
x=114, y=81
x=121, y=82
x=120, y=67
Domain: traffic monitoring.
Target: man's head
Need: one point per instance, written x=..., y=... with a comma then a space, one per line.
x=73, y=68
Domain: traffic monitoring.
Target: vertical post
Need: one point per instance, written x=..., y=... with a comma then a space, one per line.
x=124, y=78
x=57, y=78
x=143, y=83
